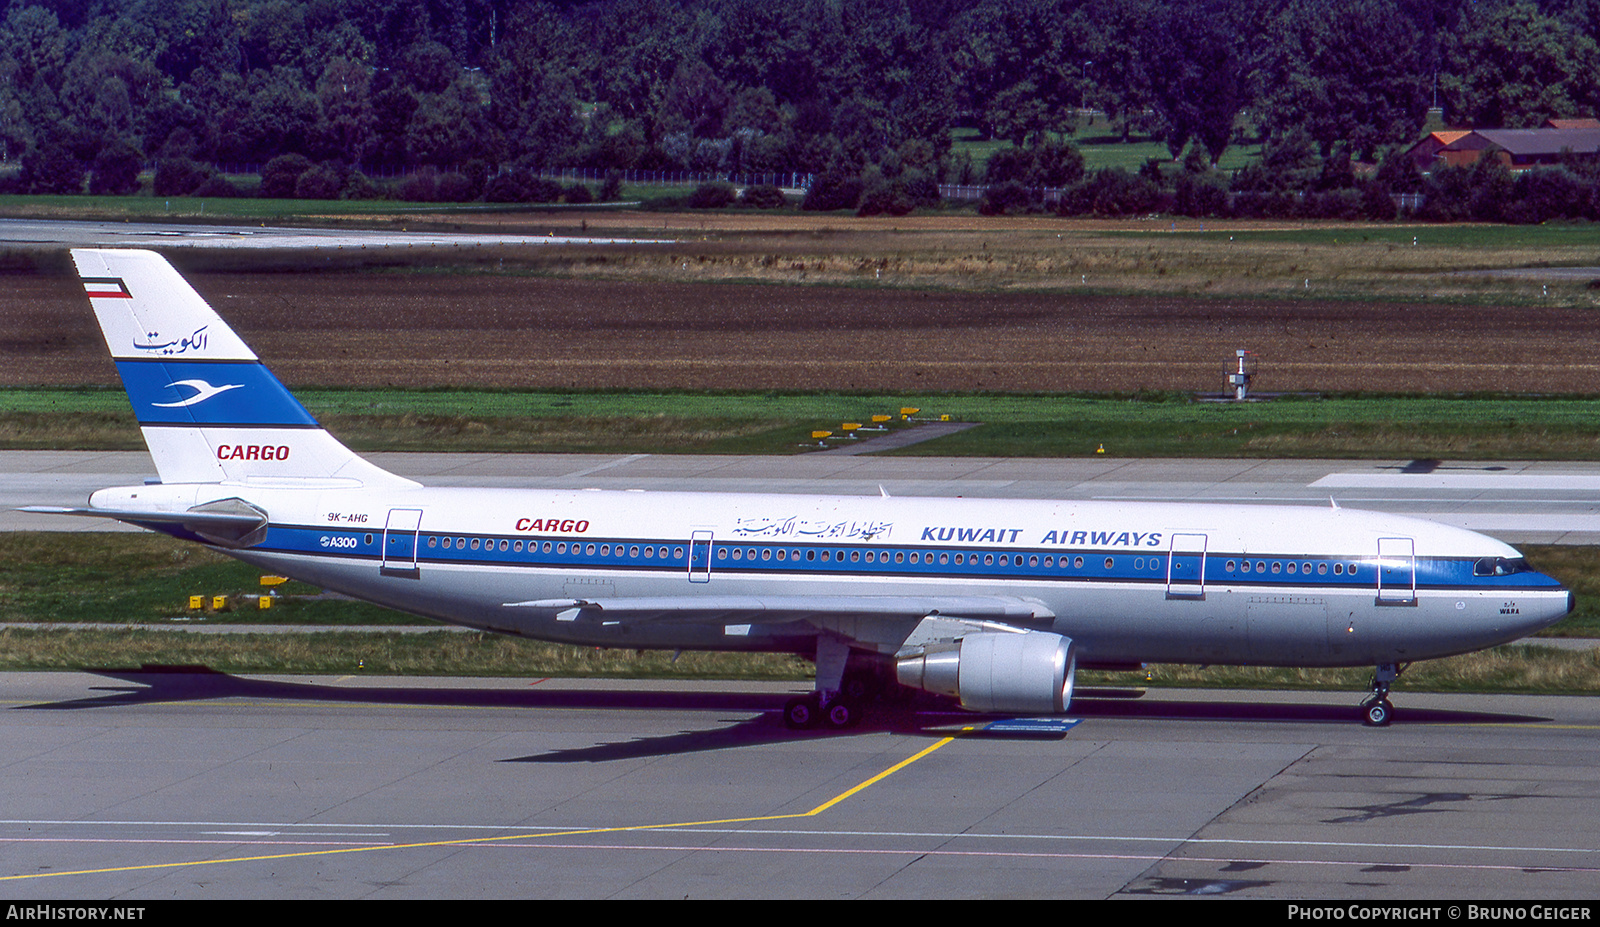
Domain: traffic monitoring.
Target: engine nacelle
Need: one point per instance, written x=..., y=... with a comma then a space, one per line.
x=997, y=671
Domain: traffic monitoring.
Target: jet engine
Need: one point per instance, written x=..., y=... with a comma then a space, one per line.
x=1030, y=671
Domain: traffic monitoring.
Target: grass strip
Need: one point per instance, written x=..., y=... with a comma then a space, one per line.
x=1523, y=669
x=1144, y=425
x=132, y=579
x=441, y=653
x=1510, y=669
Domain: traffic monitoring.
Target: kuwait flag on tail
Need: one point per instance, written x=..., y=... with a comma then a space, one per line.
x=106, y=288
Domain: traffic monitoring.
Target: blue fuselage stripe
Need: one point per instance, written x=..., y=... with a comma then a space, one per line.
x=822, y=561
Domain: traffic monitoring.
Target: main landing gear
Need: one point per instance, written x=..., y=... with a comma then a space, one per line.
x=840, y=696
x=828, y=709
x=1377, y=711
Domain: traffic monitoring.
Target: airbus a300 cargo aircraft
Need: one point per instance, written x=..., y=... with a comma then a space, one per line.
x=993, y=602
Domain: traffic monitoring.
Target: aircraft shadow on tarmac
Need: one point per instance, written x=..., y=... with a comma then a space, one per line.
x=925, y=717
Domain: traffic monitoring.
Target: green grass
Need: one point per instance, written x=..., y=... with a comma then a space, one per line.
x=1484, y=236
x=132, y=579
x=478, y=420
x=1518, y=669
x=442, y=653
x=1102, y=149
x=1151, y=425
x=1359, y=427
x=1578, y=568
x=1512, y=669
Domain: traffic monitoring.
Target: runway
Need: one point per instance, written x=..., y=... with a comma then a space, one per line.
x=1519, y=502
x=181, y=786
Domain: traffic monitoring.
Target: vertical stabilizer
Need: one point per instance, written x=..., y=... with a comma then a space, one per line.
x=210, y=410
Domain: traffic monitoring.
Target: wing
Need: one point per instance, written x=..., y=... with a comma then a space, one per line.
x=734, y=610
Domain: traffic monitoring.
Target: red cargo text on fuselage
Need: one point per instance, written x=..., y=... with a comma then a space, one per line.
x=553, y=525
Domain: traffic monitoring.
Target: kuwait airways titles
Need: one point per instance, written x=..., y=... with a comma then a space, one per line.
x=1065, y=538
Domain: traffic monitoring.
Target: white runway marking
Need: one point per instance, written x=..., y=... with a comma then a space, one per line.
x=1501, y=482
x=280, y=828
x=619, y=462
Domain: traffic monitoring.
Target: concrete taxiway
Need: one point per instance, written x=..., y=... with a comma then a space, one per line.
x=210, y=786
x=1527, y=502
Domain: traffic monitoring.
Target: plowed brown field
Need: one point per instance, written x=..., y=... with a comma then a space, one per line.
x=404, y=330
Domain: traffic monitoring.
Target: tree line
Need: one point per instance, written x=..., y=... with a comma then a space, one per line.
x=1293, y=181
x=867, y=94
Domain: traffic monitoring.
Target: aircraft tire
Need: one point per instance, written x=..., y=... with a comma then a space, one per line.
x=1377, y=713
x=842, y=713
x=801, y=713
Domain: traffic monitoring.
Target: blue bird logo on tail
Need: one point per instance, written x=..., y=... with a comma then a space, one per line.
x=202, y=392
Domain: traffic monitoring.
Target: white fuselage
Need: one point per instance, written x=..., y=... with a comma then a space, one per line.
x=1128, y=582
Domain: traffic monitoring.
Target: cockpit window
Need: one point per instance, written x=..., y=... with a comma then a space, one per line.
x=1500, y=566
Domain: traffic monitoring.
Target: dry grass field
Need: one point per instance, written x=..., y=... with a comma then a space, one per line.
x=1186, y=257
x=756, y=301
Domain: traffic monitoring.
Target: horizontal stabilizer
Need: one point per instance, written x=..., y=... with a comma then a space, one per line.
x=775, y=609
x=151, y=518
x=229, y=522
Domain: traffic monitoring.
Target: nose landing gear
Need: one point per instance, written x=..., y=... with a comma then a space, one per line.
x=1376, y=710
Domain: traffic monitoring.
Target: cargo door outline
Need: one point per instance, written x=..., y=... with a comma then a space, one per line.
x=700, y=557
x=1186, y=566
x=400, y=535
x=1397, y=571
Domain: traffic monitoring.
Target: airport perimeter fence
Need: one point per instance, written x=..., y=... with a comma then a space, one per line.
x=240, y=168
x=1408, y=203
x=788, y=181
x=974, y=192
x=791, y=180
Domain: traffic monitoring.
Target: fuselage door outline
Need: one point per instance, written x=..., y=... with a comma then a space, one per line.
x=1397, y=571
x=1186, y=566
x=700, y=557
x=400, y=543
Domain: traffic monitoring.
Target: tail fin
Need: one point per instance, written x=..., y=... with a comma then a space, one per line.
x=211, y=412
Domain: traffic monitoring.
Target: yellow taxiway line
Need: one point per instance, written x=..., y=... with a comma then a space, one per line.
x=535, y=836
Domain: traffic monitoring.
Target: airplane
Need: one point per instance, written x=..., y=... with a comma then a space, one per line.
x=993, y=602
